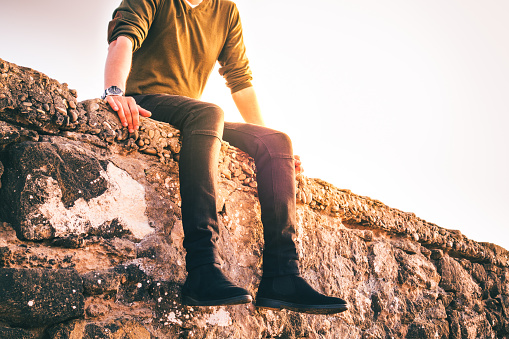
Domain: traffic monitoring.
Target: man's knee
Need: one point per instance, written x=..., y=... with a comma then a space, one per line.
x=277, y=144
x=209, y=112
x=207, y=119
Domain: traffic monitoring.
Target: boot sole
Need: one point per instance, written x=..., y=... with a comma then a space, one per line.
x=241, y=299
x=310, y=309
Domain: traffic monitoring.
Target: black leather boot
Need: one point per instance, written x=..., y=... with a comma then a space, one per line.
x=207, y=286
x=294, y=293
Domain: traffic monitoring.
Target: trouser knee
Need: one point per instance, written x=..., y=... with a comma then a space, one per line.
x=207, y=119
x=277, y=145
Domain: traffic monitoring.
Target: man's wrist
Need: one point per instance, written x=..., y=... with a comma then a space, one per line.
x=112, y=90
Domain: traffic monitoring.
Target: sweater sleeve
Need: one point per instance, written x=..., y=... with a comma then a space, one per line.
x=133, y=19
x=232, y=59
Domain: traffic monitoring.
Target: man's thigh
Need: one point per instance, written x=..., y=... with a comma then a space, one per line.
x=253, y=139
x=172, y=109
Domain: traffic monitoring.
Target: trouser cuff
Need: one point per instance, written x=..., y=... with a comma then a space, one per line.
x=203, y=258
x=290, y=267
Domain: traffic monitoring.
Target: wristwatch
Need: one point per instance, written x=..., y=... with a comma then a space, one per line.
x=112, y=90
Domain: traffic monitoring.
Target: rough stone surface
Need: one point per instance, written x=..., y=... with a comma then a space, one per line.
x=37, y=297
x=54, y=188
x=15, y=333
x=403, y=277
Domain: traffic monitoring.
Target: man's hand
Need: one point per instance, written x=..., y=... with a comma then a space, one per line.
x=298, y=165
x=128, y=111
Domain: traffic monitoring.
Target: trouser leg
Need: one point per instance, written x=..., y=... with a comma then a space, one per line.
x=201, y=125
x=273, y=155
x=198, y=180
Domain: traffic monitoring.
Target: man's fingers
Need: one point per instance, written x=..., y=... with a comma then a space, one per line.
x=115, y=103
x=128, y=115
x=144, y=112
x=121, y=115
x=298, y=164
x=112, y=103
x=135, y=115
x=128, y=111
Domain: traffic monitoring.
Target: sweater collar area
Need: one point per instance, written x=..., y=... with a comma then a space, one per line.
x=187, y=8
x=191, y=5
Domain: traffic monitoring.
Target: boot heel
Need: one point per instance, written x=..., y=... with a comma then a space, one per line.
x=207, y=286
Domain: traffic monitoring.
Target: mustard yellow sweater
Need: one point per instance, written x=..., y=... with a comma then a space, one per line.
x=176, y=46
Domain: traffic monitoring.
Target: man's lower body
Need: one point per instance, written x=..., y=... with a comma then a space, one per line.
x=202, y=128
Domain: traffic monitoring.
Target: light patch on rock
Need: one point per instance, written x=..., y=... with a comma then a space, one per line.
x=219, y=318
x=123, y=200
x=172, y=318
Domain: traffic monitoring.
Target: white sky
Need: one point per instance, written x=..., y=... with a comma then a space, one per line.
x=402, y=101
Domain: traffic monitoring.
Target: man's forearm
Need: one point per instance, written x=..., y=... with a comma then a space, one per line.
x=247, y=104
x=118, y=66
x=118, y=63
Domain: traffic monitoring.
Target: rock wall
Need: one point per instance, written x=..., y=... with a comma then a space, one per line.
x=91, y=240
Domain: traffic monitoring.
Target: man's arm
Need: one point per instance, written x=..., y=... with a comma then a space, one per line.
x=247, y=104
x=116, y=72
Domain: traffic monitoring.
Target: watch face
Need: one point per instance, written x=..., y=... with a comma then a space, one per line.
x=114, y=90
